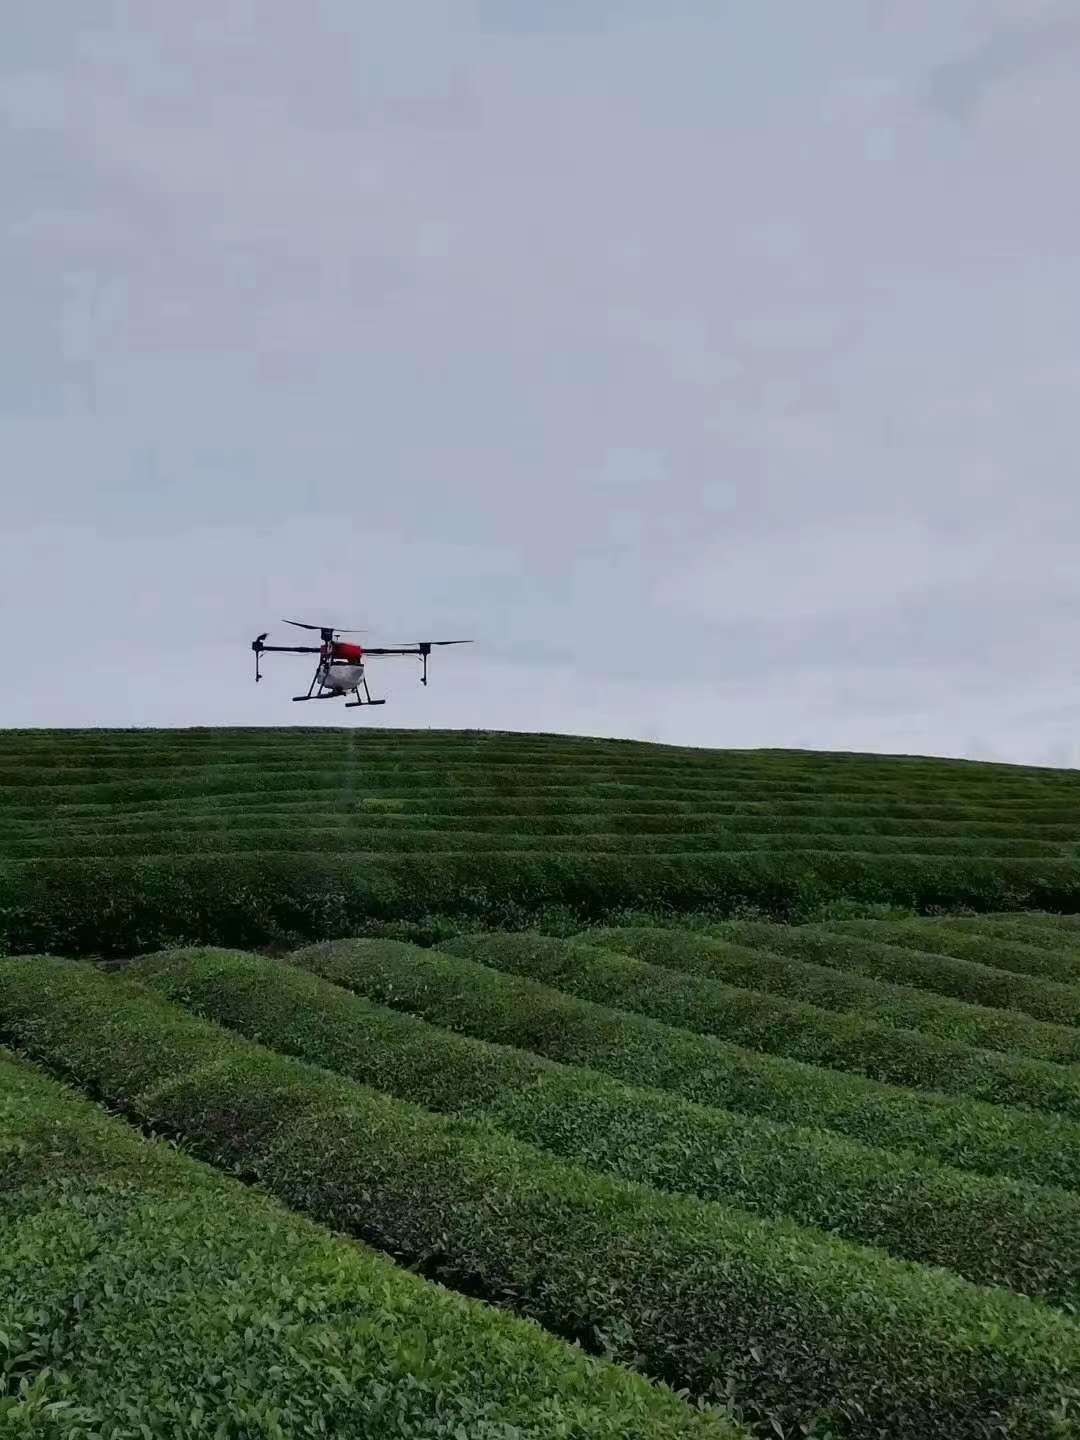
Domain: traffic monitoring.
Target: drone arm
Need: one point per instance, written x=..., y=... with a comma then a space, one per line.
x=260, y=649
x=421, y=648
x=287, y=649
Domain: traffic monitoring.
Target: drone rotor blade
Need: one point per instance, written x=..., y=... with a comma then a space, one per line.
x=337, y=629
x=438, y=642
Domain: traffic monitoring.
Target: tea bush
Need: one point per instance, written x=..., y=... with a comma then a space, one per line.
x=777, y=1025
x=798, y=1330
x=883, y=1002
x=141, y=1294
x=991, y=1231
x=463, y=995
x=846, y=945
x=1030, y=963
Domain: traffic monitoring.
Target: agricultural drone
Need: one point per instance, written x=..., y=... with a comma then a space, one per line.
x=339, y=670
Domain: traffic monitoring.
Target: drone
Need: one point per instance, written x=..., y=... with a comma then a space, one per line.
x=339, y=670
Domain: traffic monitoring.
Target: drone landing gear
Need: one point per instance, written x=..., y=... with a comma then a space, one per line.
x=318, y=691
x=315, y=689
x=364, y=699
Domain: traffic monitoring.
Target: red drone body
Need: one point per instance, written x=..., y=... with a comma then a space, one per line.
x=340, y=667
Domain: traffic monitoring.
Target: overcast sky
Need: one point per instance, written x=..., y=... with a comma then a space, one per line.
x=715, y=363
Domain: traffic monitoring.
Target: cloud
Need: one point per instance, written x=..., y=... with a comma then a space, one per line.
x=824, y=570
x=620, y=348
x=959, y=86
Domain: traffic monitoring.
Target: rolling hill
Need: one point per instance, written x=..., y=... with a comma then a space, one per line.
x=114, y=840
x=754, y=1076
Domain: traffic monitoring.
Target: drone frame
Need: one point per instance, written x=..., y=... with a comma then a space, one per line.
x=318, y=690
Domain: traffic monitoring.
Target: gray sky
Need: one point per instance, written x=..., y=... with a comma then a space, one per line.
x=716, y=365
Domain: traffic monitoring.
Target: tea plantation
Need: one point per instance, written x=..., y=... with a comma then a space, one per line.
x=112, y=841
x=460, y=1085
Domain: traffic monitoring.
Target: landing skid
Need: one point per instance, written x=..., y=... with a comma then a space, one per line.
x=323, y=694
x=337, y=695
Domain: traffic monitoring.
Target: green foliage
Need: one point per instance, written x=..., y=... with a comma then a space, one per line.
x=1047, y=930
x=764, y=1051
x=283, y=836
x=798, y=1330
x=231, y=837
x=862, y=947
x=463, y=995
x=885, y=1003
x=1048, y=933
x=776, y=1025
x=991, y=1231
x=140, y=1294
x=115, y=906
x=1004, y=949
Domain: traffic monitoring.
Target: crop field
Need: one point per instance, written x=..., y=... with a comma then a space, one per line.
x=446, y=1085
x=115, y=841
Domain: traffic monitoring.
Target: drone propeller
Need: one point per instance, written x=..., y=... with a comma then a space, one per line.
x=303, y=625
x=439, y=642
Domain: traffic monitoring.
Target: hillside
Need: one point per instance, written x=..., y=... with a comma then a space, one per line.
x=855, y=1216
x=113, y=840
x=609, y=1153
